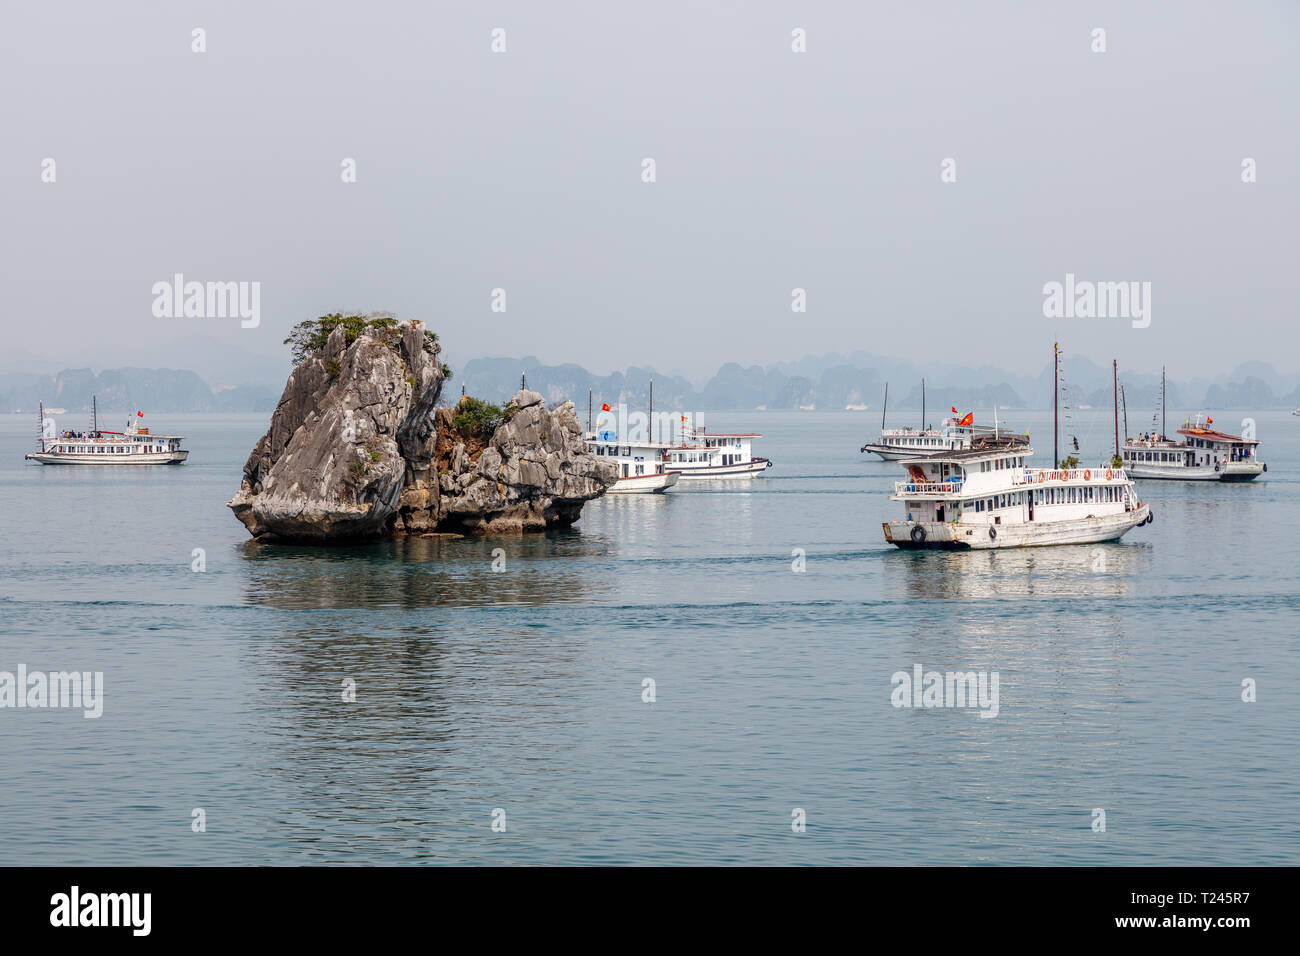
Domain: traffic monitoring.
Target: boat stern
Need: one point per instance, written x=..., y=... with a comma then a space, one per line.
x=1242, y=470
x=922, y=535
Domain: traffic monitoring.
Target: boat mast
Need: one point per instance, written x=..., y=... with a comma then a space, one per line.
x=1163, y=433
x=1056, y=415
x=922, y=404
x=1114, y=364
x=1123, y=401
x=652, y=411
x=94, y=414
x=588, y=411
x=40, y=425
x=884, y=407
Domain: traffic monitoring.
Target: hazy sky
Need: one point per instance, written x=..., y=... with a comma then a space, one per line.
x=523, y=171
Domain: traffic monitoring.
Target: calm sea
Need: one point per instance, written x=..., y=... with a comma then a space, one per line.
x=1120, y=673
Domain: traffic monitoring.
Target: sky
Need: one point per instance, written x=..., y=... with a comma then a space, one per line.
x=774, y=170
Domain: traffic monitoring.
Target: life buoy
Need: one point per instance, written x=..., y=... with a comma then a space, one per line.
x=1065, y=475
x=918, y=534
x=1087, y=474
x=1041, y=476
x=1109, y=474
x=993, y=533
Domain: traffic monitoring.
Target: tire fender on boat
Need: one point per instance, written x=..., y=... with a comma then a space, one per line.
x=993, y=533
x=918, y=534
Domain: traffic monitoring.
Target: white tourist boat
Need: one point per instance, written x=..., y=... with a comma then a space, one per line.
x=895, y=444
x=135, y=445
x=987, y=496
x=704, y=455
x=1204, y=454
x=642, y=467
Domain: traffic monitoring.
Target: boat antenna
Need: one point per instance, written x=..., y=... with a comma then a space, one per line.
x=652, y=411
x=1056, y=414
x=1114, y=367
x=922, y=404
x=884, y=407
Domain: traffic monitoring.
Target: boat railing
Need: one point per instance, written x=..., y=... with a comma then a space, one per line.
x=952, y=486
x=1099, y=475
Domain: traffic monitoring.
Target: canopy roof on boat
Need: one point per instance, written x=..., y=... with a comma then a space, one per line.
x=963, y=456
x=1213, y=434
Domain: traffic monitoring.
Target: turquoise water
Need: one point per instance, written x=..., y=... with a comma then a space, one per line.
x=1120, y=671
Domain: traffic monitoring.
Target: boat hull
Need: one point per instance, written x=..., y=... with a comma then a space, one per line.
x=747, y=469
x=892, y=453
x=956, y=536
x=1228, y=471
x=644, y=484
x=152, y=458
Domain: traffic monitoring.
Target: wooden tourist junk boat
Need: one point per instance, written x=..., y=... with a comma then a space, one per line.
x=650, y=466
x=704, y=455
x=989, y=496
x=135, y=445
x=642, y=466
x=1204, y=454
x=895, y=444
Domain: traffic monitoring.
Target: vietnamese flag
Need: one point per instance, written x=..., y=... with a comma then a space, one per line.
x=139, y=414
x=683, y=418
x=969, y=419
x=1209, y=421
x=604, y=407
x=954, y=411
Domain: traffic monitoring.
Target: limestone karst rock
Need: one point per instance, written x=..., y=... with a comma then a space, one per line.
x=351, y=449
x=533, y=473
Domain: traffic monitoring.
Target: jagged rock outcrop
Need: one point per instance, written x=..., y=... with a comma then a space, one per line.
x=351, y=448
x=533, y=473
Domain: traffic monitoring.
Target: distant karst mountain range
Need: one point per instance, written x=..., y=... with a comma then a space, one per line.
x=829, y=382
x=836, y=382
x=130, y=389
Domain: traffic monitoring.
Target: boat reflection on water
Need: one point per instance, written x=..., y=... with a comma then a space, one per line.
x=413, y=572
x=1064, y=571
x=618, y=521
